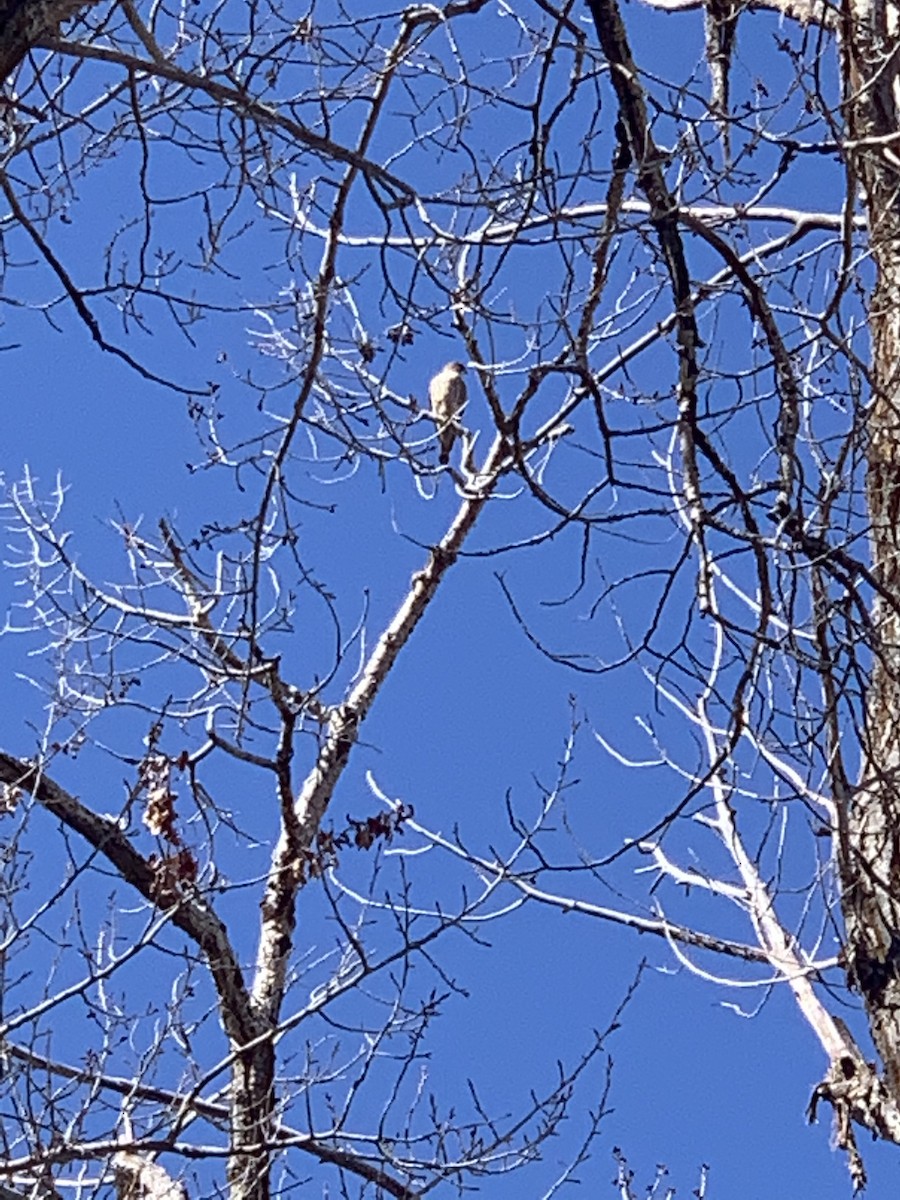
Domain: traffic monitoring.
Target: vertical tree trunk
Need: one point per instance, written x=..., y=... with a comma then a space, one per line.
x=870, y=838
x=249, y=1164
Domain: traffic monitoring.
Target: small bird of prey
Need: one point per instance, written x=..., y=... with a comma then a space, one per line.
x=447, y=395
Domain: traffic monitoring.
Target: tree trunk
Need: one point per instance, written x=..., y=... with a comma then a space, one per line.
x=870, y=837
x=249, y=1164
x=24, y=22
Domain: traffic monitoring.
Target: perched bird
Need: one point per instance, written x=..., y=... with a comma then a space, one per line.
x=447, y=395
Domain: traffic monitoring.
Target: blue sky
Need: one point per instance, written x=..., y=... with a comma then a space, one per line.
x=473, y=716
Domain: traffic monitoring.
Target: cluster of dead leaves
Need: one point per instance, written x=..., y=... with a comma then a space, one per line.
x=174, y=870
x=362, y=833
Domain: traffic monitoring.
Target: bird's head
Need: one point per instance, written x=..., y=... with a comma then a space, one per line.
x=457, y=368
